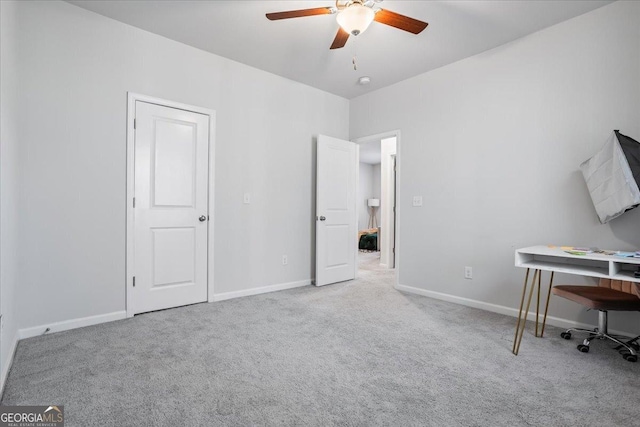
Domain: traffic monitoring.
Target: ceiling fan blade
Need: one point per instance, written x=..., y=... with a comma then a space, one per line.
x=300, y=13
x=340, y=40
x=399, y=21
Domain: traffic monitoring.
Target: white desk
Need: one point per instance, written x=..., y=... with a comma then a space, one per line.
x=556, y=260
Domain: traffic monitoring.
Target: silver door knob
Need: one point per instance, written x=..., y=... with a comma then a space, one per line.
x=202, y=218
x=322, y=218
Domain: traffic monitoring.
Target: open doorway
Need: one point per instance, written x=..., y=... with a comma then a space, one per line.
x=376, y=200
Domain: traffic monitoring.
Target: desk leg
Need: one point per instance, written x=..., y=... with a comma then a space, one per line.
x=522, y=321
x=538, y=303
x=524, y=292
x=546, y=308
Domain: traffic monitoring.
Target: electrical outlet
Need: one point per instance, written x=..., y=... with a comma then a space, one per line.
x=247, y=198
x=417, y=201
x=285, y=260
x=468, y=273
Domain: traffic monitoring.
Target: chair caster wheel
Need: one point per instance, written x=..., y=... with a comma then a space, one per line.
x=566, y=335
x=624, y=352
x=583, y=348
x=630, y=357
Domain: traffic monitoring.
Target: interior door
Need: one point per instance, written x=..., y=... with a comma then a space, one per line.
x=171, y=207
x=336, y=231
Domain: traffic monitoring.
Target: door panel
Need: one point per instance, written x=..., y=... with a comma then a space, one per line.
x=171, y=194
x=336, y=232
x=174, y=171
x=173, y=256
x=338, y=240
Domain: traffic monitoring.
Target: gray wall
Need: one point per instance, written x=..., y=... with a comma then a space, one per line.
x=9, y=183
x=365, y=191
x=76, y=68
x=494, y=142
x=376, y=190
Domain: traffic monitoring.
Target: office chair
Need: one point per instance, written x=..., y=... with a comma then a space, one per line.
x=616, y=295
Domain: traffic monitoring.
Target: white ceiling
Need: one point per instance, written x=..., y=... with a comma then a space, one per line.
x=298, y=48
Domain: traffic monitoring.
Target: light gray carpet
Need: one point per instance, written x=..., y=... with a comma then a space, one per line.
x=357, y=353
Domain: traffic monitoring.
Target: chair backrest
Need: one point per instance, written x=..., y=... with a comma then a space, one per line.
x=621, y=285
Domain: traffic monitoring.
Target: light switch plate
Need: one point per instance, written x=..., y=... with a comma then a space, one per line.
x=247, y=198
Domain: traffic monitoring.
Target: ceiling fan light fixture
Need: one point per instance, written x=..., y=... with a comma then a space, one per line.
x=355, y=18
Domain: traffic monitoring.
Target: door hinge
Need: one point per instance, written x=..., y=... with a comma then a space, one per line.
x=134, y=202
x=134, y=124
x=134, y=281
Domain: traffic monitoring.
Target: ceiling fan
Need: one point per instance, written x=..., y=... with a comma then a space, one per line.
x=354, y=16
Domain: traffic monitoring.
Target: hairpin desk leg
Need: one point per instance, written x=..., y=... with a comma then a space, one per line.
x=538, y=303
x=522, y=317
x=546, y=308
x=524, y=292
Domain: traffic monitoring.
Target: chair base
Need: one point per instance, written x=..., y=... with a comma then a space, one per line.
x=628, y=349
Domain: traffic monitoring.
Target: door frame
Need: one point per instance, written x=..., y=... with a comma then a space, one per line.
x=130, y=169
x=376, y=137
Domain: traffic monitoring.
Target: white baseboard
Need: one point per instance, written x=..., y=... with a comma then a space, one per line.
x=7, y=366
x=501, y=309
x=71, y=324
x=261, y=290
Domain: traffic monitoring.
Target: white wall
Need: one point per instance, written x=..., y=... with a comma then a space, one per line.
x=387, y=193
x=494, y=142
x=375, y=188
x=365, y=191
x=76, y=68
x=9, y=184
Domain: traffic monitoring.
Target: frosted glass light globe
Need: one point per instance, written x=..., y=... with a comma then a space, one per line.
x=355, y=19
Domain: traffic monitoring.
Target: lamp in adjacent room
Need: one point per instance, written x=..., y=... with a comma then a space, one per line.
x=373, y=204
